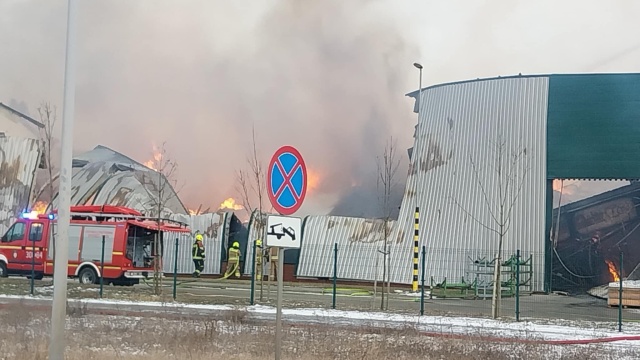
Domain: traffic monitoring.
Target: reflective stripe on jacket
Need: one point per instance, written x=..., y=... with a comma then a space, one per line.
x=234, y=254
x=197, y=252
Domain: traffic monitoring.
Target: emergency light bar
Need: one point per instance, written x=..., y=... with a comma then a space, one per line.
x=32, y=215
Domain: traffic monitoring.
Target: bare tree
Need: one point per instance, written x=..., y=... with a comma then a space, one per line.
x=510, y=167
x=164, y=185
x=252, y=183
x=387, y=167
x=48, y=117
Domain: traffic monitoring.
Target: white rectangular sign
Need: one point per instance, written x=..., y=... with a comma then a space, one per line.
x=284, y=231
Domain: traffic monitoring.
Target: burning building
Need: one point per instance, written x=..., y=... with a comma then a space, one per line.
x=20, y=156
x=591, y=235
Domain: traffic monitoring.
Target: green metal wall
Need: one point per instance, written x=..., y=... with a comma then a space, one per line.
x=593, y=132
x=593, y=126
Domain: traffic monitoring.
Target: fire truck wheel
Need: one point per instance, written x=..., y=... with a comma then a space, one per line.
x=3, y=269
x=87, y=276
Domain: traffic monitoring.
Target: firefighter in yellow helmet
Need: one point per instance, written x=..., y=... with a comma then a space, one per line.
x=197, y=254
x=258, y=259
x=273, y=263
x=233, y=261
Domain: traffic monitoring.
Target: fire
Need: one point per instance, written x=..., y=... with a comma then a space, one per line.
x=193, y=212
x=154, y=163
x=313, y=180
x=567, y=187
x=40, y=207
x=230, y=203
x=612, y=270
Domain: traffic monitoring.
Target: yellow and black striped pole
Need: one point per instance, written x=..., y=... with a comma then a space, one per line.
x=416, y=246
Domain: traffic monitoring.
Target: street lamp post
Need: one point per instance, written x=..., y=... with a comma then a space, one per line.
x=419, y=66
x=57, y=341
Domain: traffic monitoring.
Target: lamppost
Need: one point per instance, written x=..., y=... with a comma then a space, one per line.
x=59, y=307
x=420, y=88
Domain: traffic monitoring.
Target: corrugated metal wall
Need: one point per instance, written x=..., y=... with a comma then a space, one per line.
x=459, y=122
x=359, y=242
x=19, y=159
x=214, y=228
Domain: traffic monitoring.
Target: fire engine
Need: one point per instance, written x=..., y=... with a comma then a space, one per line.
x=129, y=239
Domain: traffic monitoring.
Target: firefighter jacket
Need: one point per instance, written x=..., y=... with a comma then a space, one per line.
x=197, y=252
x=234, y=255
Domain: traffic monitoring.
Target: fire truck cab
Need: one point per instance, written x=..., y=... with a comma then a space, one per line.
x=129, y=240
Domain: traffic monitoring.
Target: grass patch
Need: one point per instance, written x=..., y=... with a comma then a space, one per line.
x=24, y=335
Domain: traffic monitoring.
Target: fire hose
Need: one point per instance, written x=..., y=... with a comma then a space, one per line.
x=534, y=342
x=226, y=276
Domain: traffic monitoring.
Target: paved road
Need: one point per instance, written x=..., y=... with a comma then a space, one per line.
x=316, y=295
x=583, y=307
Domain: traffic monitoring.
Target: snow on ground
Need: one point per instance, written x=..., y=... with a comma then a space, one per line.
x=562, y=330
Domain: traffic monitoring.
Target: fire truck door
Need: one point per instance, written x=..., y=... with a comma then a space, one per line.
x=11, y=245
x=35, y=238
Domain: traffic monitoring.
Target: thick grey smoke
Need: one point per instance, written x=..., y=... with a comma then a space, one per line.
x=328, y=77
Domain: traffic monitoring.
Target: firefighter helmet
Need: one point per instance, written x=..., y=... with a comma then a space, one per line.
x=259, y=243
x=236, y=245
x=199, y=237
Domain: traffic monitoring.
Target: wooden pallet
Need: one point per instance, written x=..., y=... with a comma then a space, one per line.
x=630, y=297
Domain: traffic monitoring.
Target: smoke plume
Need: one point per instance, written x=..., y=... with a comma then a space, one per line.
x=328, y=77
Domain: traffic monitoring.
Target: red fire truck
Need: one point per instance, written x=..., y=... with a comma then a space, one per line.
x=128, y=251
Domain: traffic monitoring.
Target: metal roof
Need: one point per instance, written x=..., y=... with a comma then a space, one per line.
x=108, y=183
x=19, y=159
x=26, y=117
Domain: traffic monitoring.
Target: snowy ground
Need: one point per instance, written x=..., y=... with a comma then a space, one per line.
x=549, y=332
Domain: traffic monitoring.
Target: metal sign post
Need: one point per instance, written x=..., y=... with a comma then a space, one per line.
x=286, y=187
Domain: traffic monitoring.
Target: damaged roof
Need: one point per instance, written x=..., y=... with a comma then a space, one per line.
x=103, y=176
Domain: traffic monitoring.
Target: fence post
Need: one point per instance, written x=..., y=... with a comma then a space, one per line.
x=335, y=273
x=102, y=266
x=620, y=295
x=253, y=275
x=33, y=265
x=175, y=272
x=518, y=285
x=424, y=260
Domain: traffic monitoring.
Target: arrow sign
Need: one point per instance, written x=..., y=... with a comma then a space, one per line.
x=286, y=180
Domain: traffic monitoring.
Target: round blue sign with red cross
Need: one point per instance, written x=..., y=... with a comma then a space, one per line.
x=286, y=180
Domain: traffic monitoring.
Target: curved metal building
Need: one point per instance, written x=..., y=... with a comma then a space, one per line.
x=486, y=153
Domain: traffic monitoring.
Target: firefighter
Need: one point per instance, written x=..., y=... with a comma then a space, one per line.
x=273, y=263
x=258, y=259
x=233, y=262
x=197, y=254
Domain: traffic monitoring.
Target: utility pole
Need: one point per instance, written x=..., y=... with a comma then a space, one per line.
x=57, y=342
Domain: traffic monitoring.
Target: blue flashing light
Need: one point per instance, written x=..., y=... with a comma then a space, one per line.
x=51, y=216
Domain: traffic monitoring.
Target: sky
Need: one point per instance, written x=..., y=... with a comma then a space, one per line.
x=328, y=77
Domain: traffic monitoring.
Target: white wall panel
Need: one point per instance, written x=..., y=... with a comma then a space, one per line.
x=459, y=121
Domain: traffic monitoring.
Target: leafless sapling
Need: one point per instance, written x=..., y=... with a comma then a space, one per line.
x=509, y=167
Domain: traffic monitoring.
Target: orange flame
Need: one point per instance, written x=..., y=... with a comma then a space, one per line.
x=313, y=180
x=154, y=163
x=40, y=207
x=230, y=203
x=612, y=270
x=193, y=212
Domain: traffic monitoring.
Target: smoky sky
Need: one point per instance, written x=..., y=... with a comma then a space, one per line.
x=327, y=77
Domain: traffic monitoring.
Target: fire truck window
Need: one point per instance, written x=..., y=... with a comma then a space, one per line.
x=15, y=232
x=35, y=233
